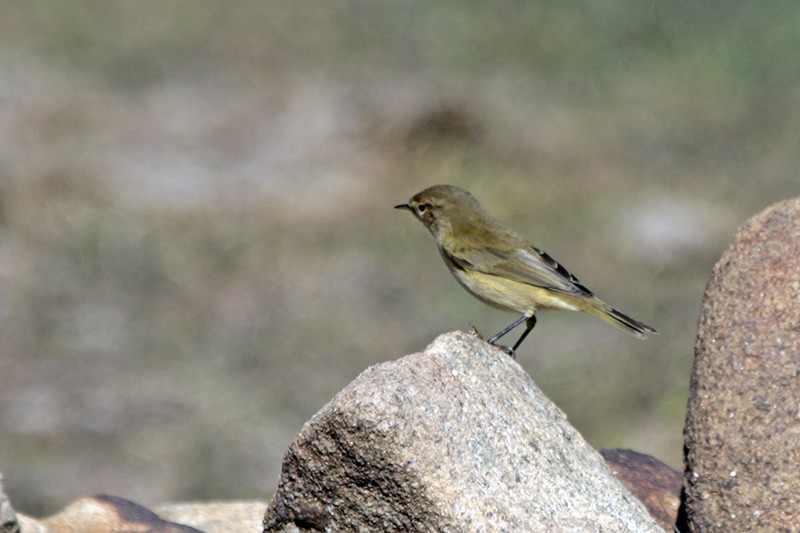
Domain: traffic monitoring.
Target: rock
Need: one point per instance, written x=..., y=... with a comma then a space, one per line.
x=8, y=518
x=31, y=525
x=12, y=522
x=107, y=514
x=656, y=485
x=457, y=438
x=215, y=517
x=101, y=514
x=742, y=435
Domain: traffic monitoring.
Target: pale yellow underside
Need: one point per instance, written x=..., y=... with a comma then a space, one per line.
x=514, y=296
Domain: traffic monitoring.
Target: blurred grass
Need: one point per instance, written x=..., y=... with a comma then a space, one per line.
x=198, y=246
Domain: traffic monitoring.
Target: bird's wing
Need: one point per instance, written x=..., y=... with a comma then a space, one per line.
x=526, y=264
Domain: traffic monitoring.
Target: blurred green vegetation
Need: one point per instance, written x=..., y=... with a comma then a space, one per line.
x=198, y=245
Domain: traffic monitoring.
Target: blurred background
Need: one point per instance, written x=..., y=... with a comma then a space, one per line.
x=197, y=242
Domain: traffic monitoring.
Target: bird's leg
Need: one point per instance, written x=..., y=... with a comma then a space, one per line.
x=494, y=339
x=529, y=322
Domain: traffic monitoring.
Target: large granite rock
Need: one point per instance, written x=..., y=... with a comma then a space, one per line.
x=742, y=435
x=457, y=438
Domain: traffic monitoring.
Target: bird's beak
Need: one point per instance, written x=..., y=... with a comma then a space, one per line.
x=404, y=206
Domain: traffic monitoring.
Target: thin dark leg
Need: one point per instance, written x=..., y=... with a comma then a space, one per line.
x=530, y=323
x=494, y=339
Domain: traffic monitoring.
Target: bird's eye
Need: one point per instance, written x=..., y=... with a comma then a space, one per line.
x=421, y=208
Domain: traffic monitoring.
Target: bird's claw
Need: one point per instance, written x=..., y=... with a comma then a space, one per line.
x=507, y=349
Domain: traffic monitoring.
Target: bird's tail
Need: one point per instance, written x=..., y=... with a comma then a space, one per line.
x=605, y=312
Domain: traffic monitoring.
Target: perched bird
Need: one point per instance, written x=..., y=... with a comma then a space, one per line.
x=501, y=268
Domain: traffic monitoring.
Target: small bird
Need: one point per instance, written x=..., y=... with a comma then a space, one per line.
x=501, y=268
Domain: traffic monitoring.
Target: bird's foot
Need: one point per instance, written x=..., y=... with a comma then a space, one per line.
x=507, y=349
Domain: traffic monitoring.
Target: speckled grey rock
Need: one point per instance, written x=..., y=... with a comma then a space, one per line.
x=742, y=435
x=8, y=519
x=457, y=438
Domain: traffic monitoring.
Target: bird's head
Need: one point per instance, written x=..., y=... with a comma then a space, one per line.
x=441, y=206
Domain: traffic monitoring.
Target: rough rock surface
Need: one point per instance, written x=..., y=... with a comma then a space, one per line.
x=656, y=485
x=457, y=438
x=742, y=435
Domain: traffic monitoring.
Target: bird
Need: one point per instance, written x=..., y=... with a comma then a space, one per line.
x=502, y=268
